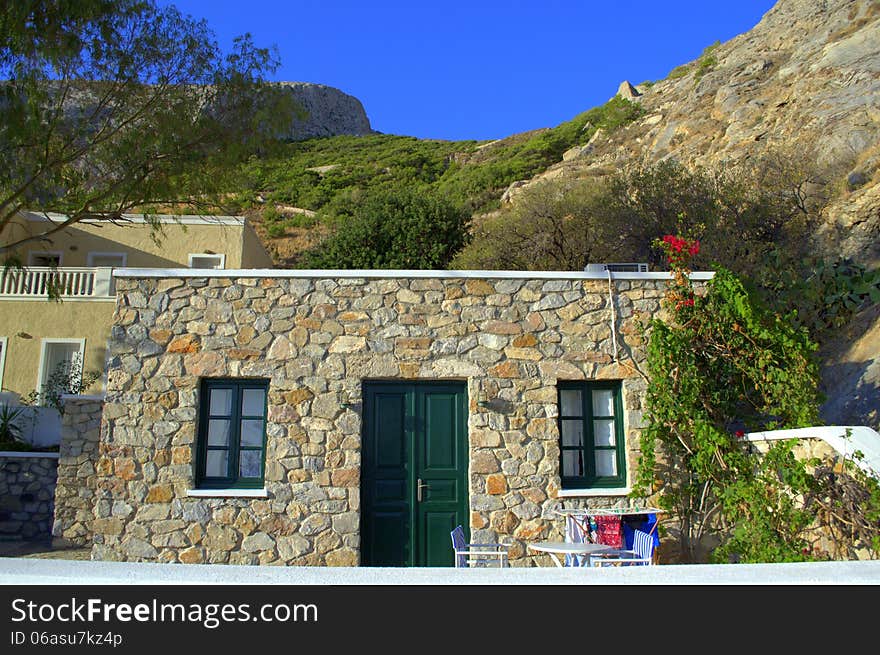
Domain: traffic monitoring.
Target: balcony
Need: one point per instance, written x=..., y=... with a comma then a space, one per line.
x=67, y=283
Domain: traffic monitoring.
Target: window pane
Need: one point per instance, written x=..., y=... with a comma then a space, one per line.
x=110, y=259
x=570, y=402
x=62, y=365
x=572, y=463
x=606, y=463
x=44, y=259
x=221, y=402
x=249, y=463
x=205, y=261
x=252, y=432
x=216, y=466
x=218, y=432
x=573, y=433
x=603, y=432
x=253, y=402
x=603, y=402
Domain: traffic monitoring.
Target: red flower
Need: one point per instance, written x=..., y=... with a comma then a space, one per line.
x=739, y=434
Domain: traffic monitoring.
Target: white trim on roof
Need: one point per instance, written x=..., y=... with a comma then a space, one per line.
x=139, y=219
x=373, y=273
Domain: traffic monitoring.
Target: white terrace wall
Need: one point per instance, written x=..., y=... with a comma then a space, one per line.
x=316, y=337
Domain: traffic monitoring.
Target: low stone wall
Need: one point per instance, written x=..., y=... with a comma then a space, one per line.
x=75, y=490
x=27, y=485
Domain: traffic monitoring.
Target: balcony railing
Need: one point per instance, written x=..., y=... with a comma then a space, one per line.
x=65, y=283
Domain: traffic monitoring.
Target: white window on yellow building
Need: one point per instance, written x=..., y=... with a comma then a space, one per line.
x=61, y=365
x=3, y=342
x=111, y=259
x=44, y=258
x=206, y=260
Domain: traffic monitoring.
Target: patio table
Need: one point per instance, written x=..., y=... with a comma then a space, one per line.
x=557, y=548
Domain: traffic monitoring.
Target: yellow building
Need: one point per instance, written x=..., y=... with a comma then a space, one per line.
x=38, y=334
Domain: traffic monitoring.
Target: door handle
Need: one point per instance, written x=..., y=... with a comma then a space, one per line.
x=419, y=486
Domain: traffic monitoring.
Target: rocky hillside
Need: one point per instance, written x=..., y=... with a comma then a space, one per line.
x=802, y=84
x=326, y=112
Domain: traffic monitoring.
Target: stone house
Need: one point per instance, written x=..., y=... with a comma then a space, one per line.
x=355, y=417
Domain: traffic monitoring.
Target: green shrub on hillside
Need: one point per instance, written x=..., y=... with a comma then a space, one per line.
x=706, y=62
x=320, y=174
x=399, y=228
x=563, y=224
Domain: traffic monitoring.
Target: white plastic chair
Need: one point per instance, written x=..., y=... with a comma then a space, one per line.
x=466, y=553
x=642, y=553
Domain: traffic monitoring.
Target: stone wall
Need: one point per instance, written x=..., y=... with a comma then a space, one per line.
x=27, y=484
x=316, y=340
x=74, y=492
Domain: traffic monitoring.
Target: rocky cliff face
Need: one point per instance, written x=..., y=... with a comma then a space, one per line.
x=326, y=112
x=803, y=83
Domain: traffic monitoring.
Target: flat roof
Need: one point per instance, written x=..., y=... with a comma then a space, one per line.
x=394, y=273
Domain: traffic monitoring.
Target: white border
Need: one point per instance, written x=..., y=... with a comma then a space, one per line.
x=47, y=340
x=227, y=493
x=374, y=273
x=4, y=346
x=66, y=300
x=576, y=493
x=82, y=396
x=31, y=254
x=91, y=256
x=207, y=254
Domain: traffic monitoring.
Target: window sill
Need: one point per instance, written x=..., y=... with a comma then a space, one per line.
x=227, y=493
x=575, y=493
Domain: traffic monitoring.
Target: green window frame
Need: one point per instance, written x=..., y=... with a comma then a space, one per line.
x=592, y=452
x=232, y=434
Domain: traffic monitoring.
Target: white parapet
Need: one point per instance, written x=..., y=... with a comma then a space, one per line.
x=67, y=283
x=845, y=439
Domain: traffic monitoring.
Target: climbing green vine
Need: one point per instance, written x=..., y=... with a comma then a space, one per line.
x=721, y=365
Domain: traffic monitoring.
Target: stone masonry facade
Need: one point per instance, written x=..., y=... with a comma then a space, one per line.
x=316, y=340
x=27, y=485
x=75, y=488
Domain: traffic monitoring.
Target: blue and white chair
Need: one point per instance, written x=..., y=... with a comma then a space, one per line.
x=642, y=553
x=466, y=553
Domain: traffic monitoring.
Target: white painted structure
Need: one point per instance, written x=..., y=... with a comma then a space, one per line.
x=845, y=439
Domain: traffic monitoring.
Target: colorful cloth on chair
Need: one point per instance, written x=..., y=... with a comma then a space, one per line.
x=610, y=531
x=649, y=525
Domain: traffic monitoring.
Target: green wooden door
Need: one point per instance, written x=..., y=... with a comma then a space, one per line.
x=414, y=472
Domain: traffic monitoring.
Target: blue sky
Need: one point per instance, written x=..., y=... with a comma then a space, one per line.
x=477, y=70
